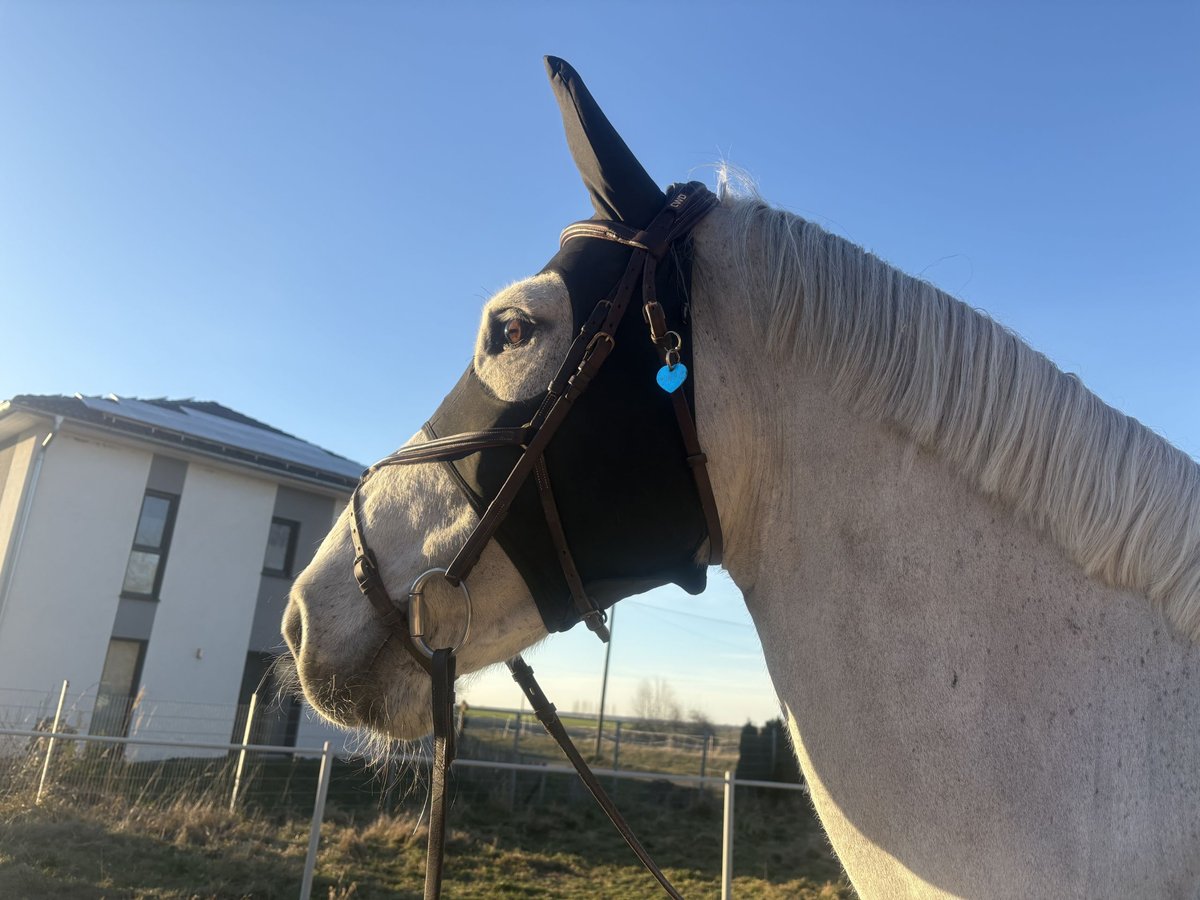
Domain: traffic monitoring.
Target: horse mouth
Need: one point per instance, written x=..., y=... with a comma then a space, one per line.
x=391, y=708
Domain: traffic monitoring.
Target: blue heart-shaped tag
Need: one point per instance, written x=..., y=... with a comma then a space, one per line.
x=669, y=378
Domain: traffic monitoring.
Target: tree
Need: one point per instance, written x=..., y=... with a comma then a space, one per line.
x=655, y=701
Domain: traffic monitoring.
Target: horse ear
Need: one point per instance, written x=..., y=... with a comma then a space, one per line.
x=621, y=189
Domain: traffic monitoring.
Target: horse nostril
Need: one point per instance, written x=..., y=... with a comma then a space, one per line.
x=293, y=628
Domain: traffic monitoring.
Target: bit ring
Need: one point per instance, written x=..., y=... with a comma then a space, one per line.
x=416, y=611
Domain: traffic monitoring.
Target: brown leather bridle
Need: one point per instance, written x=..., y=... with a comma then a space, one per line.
x=591, y=347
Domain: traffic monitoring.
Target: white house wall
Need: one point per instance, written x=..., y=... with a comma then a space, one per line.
x=71, y=564
x=201, y=630
x=15, y=461
x=7, y=455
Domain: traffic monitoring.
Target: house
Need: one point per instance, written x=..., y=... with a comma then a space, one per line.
x=146, y=552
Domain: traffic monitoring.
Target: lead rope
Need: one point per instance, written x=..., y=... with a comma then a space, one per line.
x=547, y=714
x=444, y=749
x=443, y=756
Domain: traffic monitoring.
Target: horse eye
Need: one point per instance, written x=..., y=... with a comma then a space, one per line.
x=514, y=332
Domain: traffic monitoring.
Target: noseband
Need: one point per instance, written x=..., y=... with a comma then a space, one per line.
x=686, y=206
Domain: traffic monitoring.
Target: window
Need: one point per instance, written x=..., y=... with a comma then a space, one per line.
x=118, y=687
x=281, y=547
x=144, y=572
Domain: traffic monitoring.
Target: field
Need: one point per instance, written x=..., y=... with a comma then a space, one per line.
x=526, y=835
x=493, y=734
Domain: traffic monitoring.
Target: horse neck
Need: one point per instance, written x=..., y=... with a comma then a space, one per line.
x=932, y=648
x=800, y=477
x=754, y=413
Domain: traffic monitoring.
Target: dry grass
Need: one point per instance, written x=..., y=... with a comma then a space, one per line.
x=556, y=848
x=113, y=829
x=184, y=850
x=562, y=856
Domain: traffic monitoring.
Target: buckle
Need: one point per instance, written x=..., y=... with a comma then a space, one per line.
x=366, y=572
x=595, y=621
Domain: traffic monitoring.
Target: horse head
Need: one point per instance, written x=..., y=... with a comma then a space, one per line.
x=522, y=509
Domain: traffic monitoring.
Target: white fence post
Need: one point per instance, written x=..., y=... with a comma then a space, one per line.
x=314, y=835
x=727, y=840
x=241, y=763
x=62, y=696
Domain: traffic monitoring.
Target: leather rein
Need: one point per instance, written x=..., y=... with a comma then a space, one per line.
x=591, y=347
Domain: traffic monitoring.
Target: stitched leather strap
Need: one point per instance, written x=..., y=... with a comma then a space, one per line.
x=443, y=755
x=698, y=462
x=366, y=573
x=523, y=675
x=598, y=349
x=591, y=614
x=454, y=446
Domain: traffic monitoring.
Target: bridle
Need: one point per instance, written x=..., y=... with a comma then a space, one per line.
x=685, y=207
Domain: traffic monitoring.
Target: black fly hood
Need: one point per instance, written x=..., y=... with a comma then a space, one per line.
x=624, y=492
x=598, y=489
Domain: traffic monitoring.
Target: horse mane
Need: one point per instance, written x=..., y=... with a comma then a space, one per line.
x=1117, y=498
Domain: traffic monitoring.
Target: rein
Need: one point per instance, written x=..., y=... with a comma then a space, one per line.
x=587, y=354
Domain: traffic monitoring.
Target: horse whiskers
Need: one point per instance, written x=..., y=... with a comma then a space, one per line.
x=282, y=675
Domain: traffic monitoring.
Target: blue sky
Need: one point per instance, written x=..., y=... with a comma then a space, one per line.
x=297, y=209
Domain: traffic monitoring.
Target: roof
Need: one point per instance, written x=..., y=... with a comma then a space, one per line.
x=199, y=426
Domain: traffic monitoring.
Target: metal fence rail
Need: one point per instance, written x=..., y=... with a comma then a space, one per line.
x=93, y=710
x=517, y=734
x=42, y=762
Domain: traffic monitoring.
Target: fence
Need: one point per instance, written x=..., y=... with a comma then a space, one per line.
x=502, y=734
x=67, y=769
x=620, y=745
x=99, y=712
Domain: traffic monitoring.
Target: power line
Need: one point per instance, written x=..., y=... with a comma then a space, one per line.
x=707, y=636
x=690, y=615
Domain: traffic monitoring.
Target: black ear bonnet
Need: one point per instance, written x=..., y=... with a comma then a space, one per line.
x=625, y=494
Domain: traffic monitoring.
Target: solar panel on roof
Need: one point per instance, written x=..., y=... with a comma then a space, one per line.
x=225, y=432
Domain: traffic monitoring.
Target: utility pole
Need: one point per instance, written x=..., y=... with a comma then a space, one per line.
x=612, y=622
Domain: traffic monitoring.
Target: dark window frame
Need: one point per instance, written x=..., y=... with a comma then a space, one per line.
x=162, y=550
x=289, y=556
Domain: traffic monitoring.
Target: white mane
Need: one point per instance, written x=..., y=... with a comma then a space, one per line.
x=1118, y=499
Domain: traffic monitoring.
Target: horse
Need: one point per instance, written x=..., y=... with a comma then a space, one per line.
x=977, y=586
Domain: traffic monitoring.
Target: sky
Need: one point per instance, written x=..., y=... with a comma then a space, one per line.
x=297, y=209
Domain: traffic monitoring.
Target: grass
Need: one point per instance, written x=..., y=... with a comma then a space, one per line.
x=190, y=852
x=524, y=835
x=181, y=851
